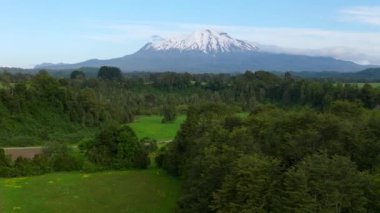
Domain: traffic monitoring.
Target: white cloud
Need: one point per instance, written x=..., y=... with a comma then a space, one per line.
x=365, y=15
x=360, y=47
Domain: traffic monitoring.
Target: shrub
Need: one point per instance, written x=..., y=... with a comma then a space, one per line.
x=116, y=148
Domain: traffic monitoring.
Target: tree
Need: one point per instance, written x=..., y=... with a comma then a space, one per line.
x=116, y=148
x=169, y=113
x=204, y=176
x=110, y=73
x=368, y=96
x=61, y=157
x=77, y=74
x=5, y=164
x=324, y=184
x=373, y=192
x=249, y=187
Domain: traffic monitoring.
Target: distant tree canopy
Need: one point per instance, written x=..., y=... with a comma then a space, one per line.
x=49, y=104
x=77, y=74
x=110, y=73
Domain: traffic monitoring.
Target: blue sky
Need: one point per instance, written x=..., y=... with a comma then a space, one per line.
x=70, y=31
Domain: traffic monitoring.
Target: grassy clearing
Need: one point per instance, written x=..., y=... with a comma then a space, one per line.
x=360, y=85
x=149, y=190
x=151, y=127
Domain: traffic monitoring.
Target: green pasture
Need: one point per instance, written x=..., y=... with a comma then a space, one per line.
x=151, y=127
x=149, y=190
x=361, y=84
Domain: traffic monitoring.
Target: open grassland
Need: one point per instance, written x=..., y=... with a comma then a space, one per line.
x=149, y=190
x=360, y=85
x=151, y=127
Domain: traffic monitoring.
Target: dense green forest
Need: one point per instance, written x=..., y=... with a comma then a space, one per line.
x=277, y=160
x=308, y=145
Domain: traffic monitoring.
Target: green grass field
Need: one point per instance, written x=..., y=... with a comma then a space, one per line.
x=151, y=127
x=376, y=84
x=149, y=190
x=360, y=85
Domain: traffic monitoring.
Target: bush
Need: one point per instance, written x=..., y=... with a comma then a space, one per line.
x=149, y=144
x=62, y=158
x=116, y=148
x=66, y=163
x=169, y=113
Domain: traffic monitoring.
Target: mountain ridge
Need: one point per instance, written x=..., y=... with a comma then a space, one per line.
x=212, y=51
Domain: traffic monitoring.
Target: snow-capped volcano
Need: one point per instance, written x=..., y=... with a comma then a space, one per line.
x=211, y=51
x=206, y=41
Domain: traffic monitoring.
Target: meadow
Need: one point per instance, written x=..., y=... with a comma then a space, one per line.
x=149, y=190
x=360, y=85
x=151, y=127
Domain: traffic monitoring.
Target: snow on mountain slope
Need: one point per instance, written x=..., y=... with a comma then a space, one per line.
x=206, y=41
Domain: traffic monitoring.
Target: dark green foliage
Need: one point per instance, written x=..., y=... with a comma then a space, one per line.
x=345, y=109
x=110, y=73
x=268, y=162
x=204, y=177
x=373, y=191
x=272, y=161
x=249, y=187
x=161, y=155
x=55, y=157
x=77, y=74
x=232, y=122
x=199, y=121
x=42, y=108
x=324, y=184
x=169, y=113
x=5, y=165
x=149, y=144
x=36, y=109
x=62, y=158
x=171, y=80
x=116, y=148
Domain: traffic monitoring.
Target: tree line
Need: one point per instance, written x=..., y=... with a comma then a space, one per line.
x=113, y=147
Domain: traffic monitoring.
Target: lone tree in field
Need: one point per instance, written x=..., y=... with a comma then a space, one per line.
x=110, y=73
x=169, y=113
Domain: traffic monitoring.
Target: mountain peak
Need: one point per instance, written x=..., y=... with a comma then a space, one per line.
x=207, y=41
